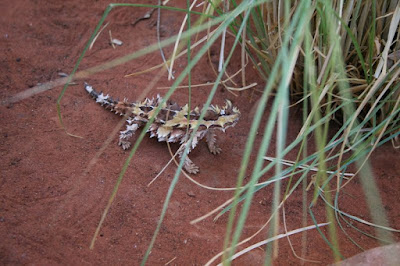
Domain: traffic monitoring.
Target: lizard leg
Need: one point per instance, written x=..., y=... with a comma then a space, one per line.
x=188, y=165
x=125, y=135
x=211, y=142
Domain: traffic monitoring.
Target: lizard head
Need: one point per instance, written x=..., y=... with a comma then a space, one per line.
x=222, y=117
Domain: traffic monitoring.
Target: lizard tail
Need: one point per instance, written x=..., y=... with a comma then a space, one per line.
x=104, y=100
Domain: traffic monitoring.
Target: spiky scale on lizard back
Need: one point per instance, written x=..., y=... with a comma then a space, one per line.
x=173, y=123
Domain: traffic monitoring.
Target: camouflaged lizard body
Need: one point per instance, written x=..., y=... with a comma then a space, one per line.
x=172, y=123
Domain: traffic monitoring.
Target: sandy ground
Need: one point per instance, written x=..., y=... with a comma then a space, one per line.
x=53, y=188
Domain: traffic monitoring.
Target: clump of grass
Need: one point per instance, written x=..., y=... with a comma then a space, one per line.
x=341, y=67
x=339, y=59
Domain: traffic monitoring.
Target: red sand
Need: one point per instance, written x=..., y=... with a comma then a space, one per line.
x=50, y=206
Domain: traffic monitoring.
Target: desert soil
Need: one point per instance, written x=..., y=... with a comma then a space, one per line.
x=54, y=187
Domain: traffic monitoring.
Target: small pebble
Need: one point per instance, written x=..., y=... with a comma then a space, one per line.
x=62, y=74
x=191, y=194
x=117, y=42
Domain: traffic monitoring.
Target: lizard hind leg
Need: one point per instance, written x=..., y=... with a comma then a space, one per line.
x=125, y=135
x=211, y=142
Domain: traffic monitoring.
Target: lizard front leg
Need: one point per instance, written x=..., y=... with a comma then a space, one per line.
x=188, y=165
x=125, y=135
x=211, y=142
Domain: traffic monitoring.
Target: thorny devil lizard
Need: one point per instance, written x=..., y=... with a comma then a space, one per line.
x=172, y=123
